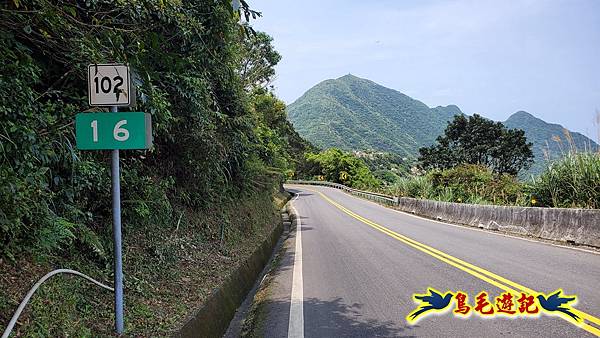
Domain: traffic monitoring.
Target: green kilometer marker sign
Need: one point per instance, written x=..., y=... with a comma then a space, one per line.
x=104, y=131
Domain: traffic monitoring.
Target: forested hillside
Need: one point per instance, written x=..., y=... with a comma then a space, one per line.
x=193, y=205
x=356, y=114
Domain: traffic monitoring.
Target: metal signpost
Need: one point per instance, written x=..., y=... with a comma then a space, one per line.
x=110, y=85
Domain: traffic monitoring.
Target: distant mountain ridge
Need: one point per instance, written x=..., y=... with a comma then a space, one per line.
x=352, y=113
x=550, y=140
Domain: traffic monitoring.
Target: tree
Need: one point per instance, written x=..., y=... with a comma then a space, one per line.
x=258, y=60
x=187, y=60
x=477, y=140
x=340, y=167
x=277, y=144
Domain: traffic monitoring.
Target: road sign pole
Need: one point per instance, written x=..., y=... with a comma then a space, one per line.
x=116, y=206
x=109, y=85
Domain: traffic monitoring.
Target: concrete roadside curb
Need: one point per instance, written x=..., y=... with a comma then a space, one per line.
x=215, y=315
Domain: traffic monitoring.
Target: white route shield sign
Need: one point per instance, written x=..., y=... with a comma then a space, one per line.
x=110, y=85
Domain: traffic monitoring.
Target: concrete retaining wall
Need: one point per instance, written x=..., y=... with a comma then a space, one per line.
x=580, y=226
x=213, y=318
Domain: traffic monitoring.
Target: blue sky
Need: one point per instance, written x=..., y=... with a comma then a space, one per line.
x=487, y=57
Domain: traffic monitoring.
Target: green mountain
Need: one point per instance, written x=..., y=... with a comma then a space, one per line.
x=352, y=113
x=357, y=114
x=550, y=141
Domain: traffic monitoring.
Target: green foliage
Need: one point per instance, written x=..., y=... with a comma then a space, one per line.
x=386, y=177
x=277, y=143
x=213, y=141
x=34, y=155
x=464, y=183
x=413, y=186
x=476, y=184
x=476, y=140
x=356, y=114
x=340, y=167
x=54, y=235
x=570, y=182
x=387, y=167
x=258, y=60
x=91, y=242
x=351, y=113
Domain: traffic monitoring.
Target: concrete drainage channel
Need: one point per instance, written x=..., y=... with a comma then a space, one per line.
x=250, y=318
x=215, y=317
x=576, y=226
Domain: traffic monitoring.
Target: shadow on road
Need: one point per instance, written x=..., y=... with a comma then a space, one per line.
x=325, y=318
x=334, y=318
x=301, y=193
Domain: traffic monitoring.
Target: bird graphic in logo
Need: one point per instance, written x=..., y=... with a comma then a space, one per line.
x=434, y=301
x=555, y=302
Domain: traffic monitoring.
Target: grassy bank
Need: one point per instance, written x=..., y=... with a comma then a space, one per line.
x=573, y=181
x=169, y=271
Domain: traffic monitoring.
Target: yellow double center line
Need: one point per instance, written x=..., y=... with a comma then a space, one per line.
x=483, y=274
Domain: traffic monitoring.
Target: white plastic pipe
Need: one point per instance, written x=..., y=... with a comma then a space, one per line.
x=14, y=318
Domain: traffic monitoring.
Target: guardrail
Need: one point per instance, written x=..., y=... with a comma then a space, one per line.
x=381, y=198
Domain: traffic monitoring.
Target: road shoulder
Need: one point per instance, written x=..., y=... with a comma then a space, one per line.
x=270, y=297
x=267, y=313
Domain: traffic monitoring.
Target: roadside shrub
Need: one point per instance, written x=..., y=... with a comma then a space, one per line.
x=335, y=165
x=413, y=186
x=477, y=184
x=465, y=183
x=572, y=181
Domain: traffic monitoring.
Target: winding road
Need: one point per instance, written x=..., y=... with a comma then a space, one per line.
x=352, y=266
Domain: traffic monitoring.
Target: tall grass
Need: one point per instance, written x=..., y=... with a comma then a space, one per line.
x=572, y=181
x=413, y=186
x=465, y=183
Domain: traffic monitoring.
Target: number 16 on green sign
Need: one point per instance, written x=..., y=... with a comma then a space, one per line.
x=103, y=131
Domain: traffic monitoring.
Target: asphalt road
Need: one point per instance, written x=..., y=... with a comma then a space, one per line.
x=357, y=264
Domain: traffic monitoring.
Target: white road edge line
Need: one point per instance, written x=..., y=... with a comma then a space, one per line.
x=296, y=323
